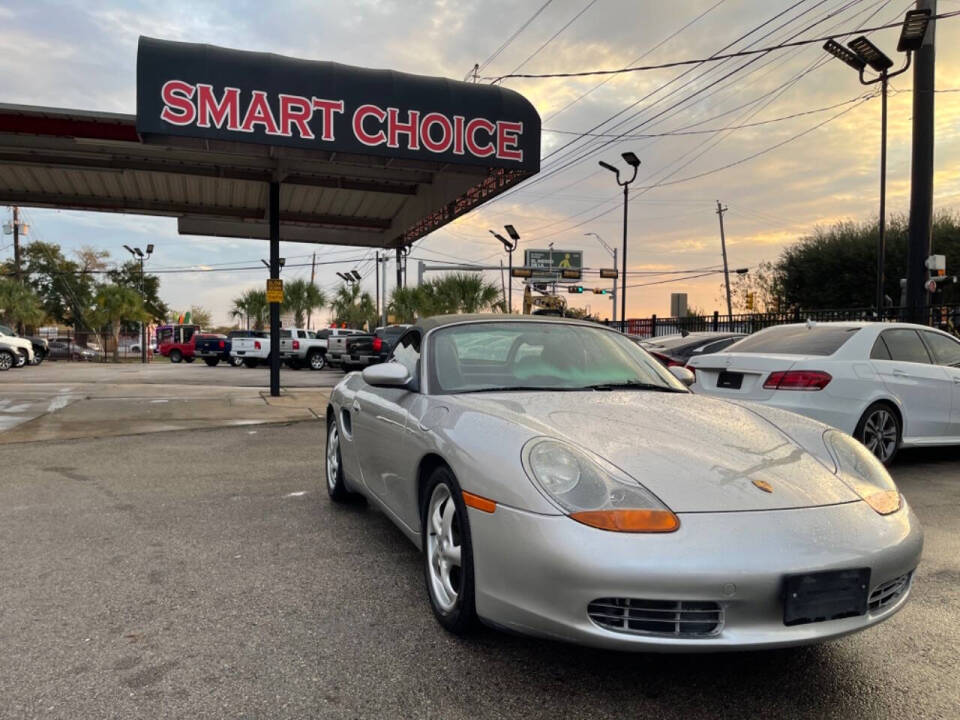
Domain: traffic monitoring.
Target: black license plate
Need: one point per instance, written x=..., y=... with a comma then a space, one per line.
x=730, y=380
x=816, y=597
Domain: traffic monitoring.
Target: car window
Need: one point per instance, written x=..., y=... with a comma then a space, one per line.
x=905, y=346
x=285, y=333
x=880, y=350
x=715, y=347
x=796, y=340
x=4, y=330
x=323, y=334
x=407, y=352
x=945, y=349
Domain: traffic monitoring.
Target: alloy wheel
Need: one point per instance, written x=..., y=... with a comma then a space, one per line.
x=333, y=457
x=6, y=361
x=443, y=548
x=316, y=361
x=880, y=434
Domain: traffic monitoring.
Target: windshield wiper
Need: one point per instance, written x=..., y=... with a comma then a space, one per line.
x=632, y=385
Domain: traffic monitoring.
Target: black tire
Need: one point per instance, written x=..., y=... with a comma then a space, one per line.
x=461, y=618
x=176, y=356
x=293, y=363
x=21, y=359
x=236, y=361
x=189, y=358
x=250, y=362
x=38, y=357
x=316, y=360
x=336, y=485
x=212, y=362
x=347, y=367
x=881, y=431
x=7, y=360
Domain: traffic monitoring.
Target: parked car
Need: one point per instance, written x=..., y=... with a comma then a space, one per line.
x=363, y=350
x=678, y=349
x=302, y=348
x=890, y=385
x=211, y=348
x=24, y=347
x=251, y=349
x=9, y=355
x=67, y=349
x=336, y=342
x=561, y=482
x=176, y=342
x=41, y=348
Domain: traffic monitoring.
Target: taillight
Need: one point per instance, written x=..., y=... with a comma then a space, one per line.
x=377, y=344
x=296, y=344
x=256, y=344
x=222, y=344
x=797, y=380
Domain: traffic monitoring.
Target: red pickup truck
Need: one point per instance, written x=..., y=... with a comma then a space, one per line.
x=177, y=342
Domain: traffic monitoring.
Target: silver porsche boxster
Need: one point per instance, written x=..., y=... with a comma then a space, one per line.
x=562, y=483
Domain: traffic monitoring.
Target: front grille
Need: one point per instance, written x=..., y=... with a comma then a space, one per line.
x=676, y=618
x=887, y=594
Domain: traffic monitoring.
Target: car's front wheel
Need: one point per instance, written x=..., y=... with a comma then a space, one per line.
x=879, y=430
x=212, y=362
x=448, y=553
x=21, y=358
x=176, y=356
x=38, y=357
x=7, y=360
x=336, y=485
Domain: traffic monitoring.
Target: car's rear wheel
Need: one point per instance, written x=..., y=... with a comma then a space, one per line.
x=448, y=553
x=176, y=356
x=212, y=362
x=7, y=360
x=236, y=361
x=21, y=358
x=879, y=430
x=293, y=364
x=189, y=358
x=250, y=362
x=38, y=357
x=336, y=485
x=316, y=360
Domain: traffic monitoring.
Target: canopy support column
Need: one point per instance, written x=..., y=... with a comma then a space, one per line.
x=273, y=212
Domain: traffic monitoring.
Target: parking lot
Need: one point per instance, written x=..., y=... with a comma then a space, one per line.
x=200, y=571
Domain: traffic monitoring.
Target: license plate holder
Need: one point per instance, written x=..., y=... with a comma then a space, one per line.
x=730, y=380
x=830, y=595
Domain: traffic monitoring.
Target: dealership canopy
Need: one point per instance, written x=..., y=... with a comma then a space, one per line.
x=362, y=157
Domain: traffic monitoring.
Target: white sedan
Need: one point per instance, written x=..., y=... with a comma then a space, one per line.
x=890, y=385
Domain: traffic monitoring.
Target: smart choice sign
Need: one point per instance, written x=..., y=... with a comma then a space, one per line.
x=209, y=92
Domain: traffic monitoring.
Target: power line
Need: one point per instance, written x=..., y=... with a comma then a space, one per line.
x=714, y=58
x=553, y=37
x=513, y=37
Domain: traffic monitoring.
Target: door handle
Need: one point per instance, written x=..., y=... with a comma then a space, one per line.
x=899, y=373
x=356, y=406
x=956, y=380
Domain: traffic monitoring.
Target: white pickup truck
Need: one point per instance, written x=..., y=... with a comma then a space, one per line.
x=23, y=346
x=251, y=350
x=302, y=348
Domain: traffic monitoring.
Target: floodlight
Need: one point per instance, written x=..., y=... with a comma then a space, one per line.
x=512, y=232
x=841, y=53
x=870, y=54
x=631, y=159
x=742, y=271
x=356, y=275
x=129, y=249
x=609, y=167
x=150, y=249
x=138, y=251
x=914, y=30
x=506, y=243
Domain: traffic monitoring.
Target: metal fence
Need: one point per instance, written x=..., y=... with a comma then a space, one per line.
x=946, y=317
x=78, y=346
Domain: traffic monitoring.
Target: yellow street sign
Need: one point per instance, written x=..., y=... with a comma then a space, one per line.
x=274, y=290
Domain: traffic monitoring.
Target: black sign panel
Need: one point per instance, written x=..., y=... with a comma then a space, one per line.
x=209, y=92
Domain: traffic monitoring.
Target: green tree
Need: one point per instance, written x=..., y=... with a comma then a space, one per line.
x=251, y=306
x=65, y=290
x=405, y=304
x=302, y=297
x=128, y=275
x=114, y=305
x=19, y=304
x=352, y=306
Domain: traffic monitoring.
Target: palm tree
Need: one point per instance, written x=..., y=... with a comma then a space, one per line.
x=301, y=298
x=114, y=305
x=406, y=304
x=353, y=307
x=251, y=305
x=465, y=293
x=19, y=305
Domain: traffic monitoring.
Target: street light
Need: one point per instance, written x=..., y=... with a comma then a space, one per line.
x=863, y=54
x=283, y=261
x=138, y=255
x=633, y=161
x=613, y=252
x=510, y=246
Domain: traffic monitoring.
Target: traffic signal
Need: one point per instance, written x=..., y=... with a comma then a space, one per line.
x=600, y=291
x=575, y=289
x=750, y=301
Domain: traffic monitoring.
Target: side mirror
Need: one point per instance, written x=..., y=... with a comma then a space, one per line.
x=683, y=374
x=388, y=374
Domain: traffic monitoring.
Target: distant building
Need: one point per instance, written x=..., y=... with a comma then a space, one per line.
x=678, y=304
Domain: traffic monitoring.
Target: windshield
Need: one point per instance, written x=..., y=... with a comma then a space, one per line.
x=796, y=340
x=4, y=330
x=508, y=355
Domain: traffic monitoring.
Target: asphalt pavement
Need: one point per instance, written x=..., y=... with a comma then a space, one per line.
x=204, y=574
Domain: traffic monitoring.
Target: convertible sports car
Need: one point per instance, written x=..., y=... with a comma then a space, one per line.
x=563, y=483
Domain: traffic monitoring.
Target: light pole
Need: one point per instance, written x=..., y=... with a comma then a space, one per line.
x=138, y=254
x=613, y=252
x=861, y=54
x=633, y=161
x=510, y=245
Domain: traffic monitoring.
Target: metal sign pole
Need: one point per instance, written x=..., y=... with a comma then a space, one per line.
x=273, y=210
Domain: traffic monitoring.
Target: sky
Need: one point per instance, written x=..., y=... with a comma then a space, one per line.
x=798, y=131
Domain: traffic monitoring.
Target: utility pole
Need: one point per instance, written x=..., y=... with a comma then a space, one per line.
x=921, y=169
x=723, y=246
x=399, y=267
x=383, y=316
x=16, y=244
x=376, y=277
x=313, y=276
x=503, y=287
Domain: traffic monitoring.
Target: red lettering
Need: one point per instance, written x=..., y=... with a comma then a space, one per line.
x=458, y=135
x=358, y=116
x=470, y=137
x=429, y=120
x=410, y=128
x=259, y=113
x=507, y=140
x=295, y=110
x=208, y=109
x=328, y=107
x=178, y=107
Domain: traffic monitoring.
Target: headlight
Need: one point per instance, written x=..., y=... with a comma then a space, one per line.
x=592, y=493
x=863, y=473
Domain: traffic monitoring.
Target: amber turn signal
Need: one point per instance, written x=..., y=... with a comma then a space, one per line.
x=635, y=521
x=480, y=503
x=885, y=502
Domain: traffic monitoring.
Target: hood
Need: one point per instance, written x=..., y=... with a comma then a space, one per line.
x=697, y=454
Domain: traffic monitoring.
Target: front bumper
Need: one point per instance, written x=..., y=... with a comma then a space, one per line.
x=537, y=574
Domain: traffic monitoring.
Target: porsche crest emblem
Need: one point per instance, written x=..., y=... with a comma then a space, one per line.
x=763, y=485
